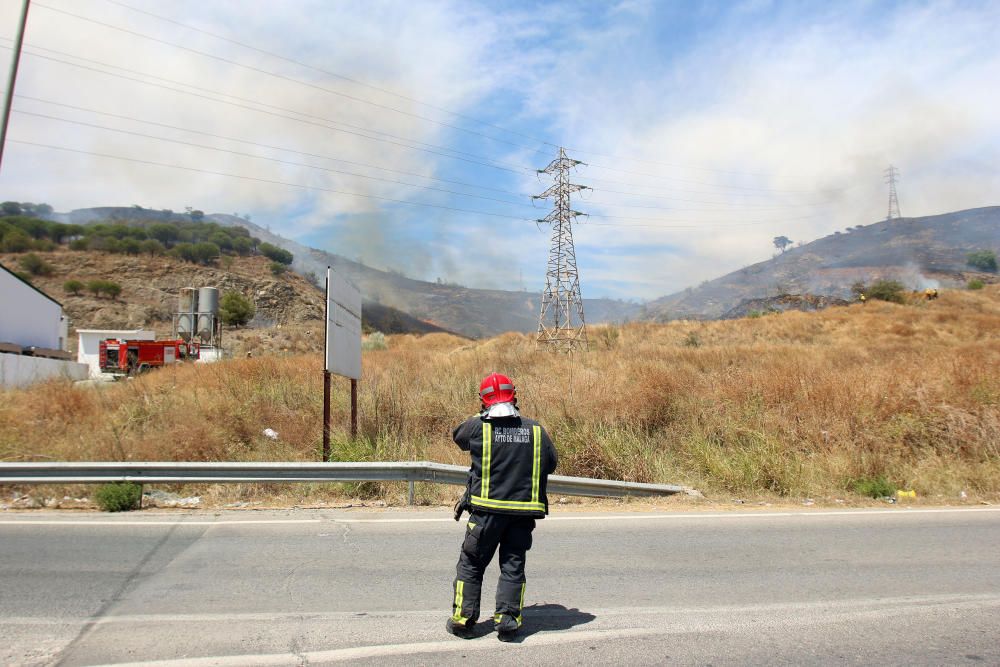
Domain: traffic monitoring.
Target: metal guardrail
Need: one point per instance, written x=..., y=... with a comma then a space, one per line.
x=214, y=473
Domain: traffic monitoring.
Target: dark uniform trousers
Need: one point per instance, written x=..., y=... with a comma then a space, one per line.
x=483, y=534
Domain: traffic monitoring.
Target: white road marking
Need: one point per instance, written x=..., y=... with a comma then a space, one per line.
x=951, y=600
x=705, y=515
x=388, y=650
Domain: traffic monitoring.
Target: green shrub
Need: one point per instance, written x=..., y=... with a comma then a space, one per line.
x=984, y=260
x=879, y=487
x=99, y=287
x=278, y=269
x=73, y=287
x=976, y=283
x=35, y=265
x=887, y=290
x=235, y=309
x=375, y=341
x=119, y=496
x=276, y=254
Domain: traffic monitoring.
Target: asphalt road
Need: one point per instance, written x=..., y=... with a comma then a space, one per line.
x=293, y=588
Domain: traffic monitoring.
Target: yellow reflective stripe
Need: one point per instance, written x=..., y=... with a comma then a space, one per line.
x=520, y=607
x=508, y=504
x=487, y=459
x=457, y=616
x=536, y=467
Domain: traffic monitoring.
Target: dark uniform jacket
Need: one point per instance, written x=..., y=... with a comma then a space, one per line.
x=512, y=458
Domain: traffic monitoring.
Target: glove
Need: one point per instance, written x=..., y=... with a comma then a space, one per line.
x=462, y=505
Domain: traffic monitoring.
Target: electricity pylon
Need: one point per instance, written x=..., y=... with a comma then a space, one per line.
x=561, y=323
x=890, y=177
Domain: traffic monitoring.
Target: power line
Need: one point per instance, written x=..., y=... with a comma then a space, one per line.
x=262, y=157
x=355, y=98
x=341, y=160
x=673, y=224
x=267, y=146
x=412, y=99
x=263, y=180
x=434, y=150
x=327, y=72
x=392, y=139
x=283, y=77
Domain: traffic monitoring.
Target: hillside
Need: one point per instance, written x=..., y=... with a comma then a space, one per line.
x=289, y=308
x=467, y=311
x=793, y=405
x=920, y=252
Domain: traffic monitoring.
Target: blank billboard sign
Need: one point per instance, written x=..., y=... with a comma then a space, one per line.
x=343, y=326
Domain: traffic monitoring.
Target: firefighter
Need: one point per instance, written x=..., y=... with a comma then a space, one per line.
x=512, y=457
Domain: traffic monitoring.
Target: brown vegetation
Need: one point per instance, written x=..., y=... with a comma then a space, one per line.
x=790, y=404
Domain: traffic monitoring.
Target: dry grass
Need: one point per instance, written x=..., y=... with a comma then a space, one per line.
x=789, y=405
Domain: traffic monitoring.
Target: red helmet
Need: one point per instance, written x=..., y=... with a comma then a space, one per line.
x=496, y=388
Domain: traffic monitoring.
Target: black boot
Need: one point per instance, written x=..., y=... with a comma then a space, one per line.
x=506, y=626
x=463, y=630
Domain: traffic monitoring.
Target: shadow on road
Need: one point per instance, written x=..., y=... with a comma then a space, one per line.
x=549, y=618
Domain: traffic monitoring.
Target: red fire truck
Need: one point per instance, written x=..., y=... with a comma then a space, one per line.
x=132, y=357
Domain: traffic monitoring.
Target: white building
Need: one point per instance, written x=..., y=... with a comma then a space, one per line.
x=89, y=343
x=33, y=334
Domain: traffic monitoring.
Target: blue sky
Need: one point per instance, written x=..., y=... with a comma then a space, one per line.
x=708, y=127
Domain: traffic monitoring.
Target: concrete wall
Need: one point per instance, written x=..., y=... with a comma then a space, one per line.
x=17, y=370
x=88, y=350
x=28, y=318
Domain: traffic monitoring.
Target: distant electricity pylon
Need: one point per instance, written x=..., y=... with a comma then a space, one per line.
x=561, y=324
x=890, y=177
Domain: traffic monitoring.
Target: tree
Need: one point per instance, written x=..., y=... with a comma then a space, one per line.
x=184, y=251
x=164, y=233
x=152, y=247
x=73, y=287
x=782, y=242
x=197, y=215
x=984, y=260
x=276, y=254
x=206, y=253
x=131, y=247
x=10, y=208
x=16, y=241
x=242, y=246
x=235, y=309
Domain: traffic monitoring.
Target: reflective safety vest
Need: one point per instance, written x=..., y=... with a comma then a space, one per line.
x=511, y=460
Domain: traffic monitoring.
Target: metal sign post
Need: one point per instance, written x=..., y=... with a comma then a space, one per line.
x=341, y=347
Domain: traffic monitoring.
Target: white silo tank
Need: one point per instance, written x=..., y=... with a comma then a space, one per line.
x=208, y=311
x=187, y=306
